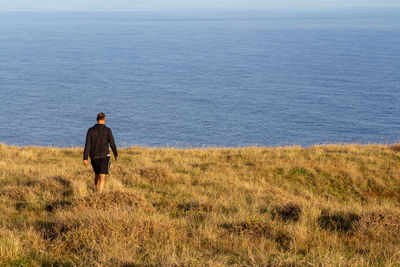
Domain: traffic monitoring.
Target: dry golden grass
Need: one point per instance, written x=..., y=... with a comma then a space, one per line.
x=331, y=205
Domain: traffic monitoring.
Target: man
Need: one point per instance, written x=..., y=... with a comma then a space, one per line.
x=98, y=139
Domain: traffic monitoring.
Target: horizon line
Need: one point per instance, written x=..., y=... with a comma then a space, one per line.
x=321, y=8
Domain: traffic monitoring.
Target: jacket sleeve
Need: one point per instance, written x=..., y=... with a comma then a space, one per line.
x=87, y=146
x=112, y=143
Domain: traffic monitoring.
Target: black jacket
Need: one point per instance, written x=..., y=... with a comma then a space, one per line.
x=98, y=139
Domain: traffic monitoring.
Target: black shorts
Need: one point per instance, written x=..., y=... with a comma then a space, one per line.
x=101, y=165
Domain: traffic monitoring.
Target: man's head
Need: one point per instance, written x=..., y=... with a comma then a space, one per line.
x=101, y=118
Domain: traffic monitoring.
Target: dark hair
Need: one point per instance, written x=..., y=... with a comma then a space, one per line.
x=101, y=116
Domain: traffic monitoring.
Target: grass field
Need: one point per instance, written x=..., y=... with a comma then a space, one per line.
x=332, y=205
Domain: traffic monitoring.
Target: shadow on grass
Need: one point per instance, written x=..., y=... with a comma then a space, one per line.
x=345, y=222
x=59, y=204
x=51, y=229
x=260, y=230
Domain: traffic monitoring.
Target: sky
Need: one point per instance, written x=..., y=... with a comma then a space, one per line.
x=140, y=4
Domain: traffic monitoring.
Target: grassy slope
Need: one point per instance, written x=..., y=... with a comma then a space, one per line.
x=203, y=206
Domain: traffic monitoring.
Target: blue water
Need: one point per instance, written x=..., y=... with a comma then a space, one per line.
x=201, y=78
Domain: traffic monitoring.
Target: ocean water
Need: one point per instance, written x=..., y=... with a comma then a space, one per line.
x=191, y=78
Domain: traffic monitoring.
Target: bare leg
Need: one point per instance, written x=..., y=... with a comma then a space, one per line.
x=97, y=181
x=102, y=181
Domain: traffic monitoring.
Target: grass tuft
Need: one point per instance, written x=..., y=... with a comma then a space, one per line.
x=288, y=212
x=155, y=174
x=254, y=228
x=395, y=147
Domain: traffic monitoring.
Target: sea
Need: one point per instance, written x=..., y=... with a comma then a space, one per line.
x=201, y=77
